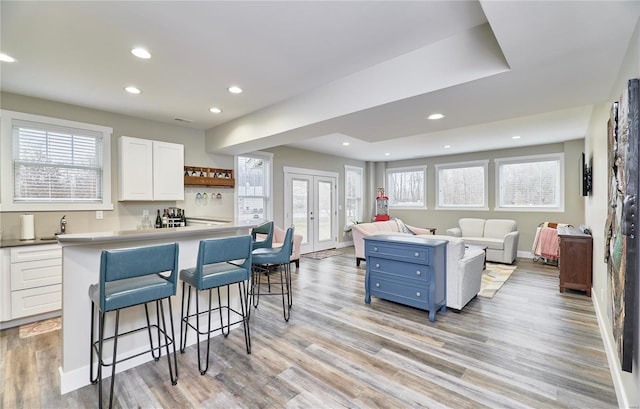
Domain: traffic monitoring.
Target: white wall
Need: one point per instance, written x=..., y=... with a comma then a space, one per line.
x=627, y=384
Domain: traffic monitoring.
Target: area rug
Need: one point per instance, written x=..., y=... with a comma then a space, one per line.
x=40, y=327
x=493, y=278
x=319, y=255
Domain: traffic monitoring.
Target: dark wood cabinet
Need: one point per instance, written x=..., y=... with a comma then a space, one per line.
x=575, y=259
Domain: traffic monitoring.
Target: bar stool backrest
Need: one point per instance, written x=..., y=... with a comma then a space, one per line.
x=283, y=254
x=266, y=229
x=225, y=249
x=134, y=262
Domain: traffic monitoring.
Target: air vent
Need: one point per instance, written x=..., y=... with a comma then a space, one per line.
x=182, y=120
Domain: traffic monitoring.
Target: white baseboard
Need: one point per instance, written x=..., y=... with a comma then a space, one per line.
x=612, y=356
x=27, y=320
x=344, y=244
x=524, y=254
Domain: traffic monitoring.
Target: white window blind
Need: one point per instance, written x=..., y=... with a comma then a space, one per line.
x=462, y=185
x=56, y=164
x=253, y=174
x=353, y=194
x=531, y=182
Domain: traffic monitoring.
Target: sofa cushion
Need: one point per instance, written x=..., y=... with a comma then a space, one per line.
x=498, y=228
x=494, y=244
x=472, y=227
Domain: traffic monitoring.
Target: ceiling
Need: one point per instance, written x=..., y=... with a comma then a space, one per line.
x=318, y=74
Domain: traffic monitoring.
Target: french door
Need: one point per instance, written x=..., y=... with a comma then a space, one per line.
x=310, y=205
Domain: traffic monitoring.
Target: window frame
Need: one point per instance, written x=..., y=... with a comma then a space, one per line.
x=360, y=207
x=458, y=165
x=529, y=159
x=268, y=199
x=7, y=202
x=417, y=168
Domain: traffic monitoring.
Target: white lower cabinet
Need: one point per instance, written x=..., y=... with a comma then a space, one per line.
x=34, y=278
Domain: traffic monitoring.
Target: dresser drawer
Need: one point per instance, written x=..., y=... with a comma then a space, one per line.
x=36, y=301
x=405, y=293
x=417, y=254
x=36, y=273
x=412, y=271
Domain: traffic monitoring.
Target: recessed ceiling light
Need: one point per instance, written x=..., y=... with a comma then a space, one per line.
x=447, y=146
x=6, y=58
x=141, y=53
x=435, y=116
x=234, y=89
x=515, y=137
x=346, y=143
x=387, y=154
x=215, y=110
x=133, y=90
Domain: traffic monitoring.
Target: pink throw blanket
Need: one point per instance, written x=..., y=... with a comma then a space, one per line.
x=549, y=243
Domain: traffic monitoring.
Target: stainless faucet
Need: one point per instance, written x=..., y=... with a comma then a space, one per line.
x=63, y=224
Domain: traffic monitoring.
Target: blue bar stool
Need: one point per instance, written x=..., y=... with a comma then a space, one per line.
x=267, y=260
x=221, y=262
x=130, y=277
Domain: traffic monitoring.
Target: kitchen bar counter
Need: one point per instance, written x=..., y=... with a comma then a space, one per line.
x=81, y=268
x=19, y=243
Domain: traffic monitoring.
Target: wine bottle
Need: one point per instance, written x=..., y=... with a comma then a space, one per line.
x=158, y=220
x=184, y=218
x=165, y=219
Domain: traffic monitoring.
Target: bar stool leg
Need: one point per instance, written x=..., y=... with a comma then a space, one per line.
x=153, y=350
x=91, y=349
x=184, y=319
x=245, y=308
x=174, y=379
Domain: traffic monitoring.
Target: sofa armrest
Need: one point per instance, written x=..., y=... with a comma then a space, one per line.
x=511, y=246
x=358, y=240
x=454, y=231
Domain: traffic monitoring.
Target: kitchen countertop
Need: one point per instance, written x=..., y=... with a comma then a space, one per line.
x=19, y=243
x=151, y=234
x=222, y=225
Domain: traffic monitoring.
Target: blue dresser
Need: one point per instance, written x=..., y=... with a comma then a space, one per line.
x=408, y=270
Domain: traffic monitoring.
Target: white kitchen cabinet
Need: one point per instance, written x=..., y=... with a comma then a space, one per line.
x=168, y=169
x=5, y=285
x=150, y=170
x=34, y=281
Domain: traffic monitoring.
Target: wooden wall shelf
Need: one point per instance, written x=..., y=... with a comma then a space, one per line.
x=214, y=177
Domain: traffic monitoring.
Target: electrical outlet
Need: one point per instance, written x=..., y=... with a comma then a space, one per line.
x=99, y=215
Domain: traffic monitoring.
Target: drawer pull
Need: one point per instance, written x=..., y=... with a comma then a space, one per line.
x=418, y=272
x=418, y=294
x=416, y=254
x=377, y=284
x=377, y=265
x=375, y=249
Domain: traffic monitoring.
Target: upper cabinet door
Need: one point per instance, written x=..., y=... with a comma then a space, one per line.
x=135, y=169
x=168, y=171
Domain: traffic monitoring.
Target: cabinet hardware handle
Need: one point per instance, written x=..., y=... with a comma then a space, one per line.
x=377, y=265
x=416, y=254
x=418, y=294
x=418, y=273
x=375, y=249
x=377, y=284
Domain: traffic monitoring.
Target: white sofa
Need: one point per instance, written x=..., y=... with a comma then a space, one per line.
x=500, y=236
x=464, y=265
x=361, y=230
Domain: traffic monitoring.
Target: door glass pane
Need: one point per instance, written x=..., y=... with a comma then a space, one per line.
x=300, y=205
x=324, y=211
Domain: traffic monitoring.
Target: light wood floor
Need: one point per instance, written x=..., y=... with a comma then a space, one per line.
x=528, y=347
